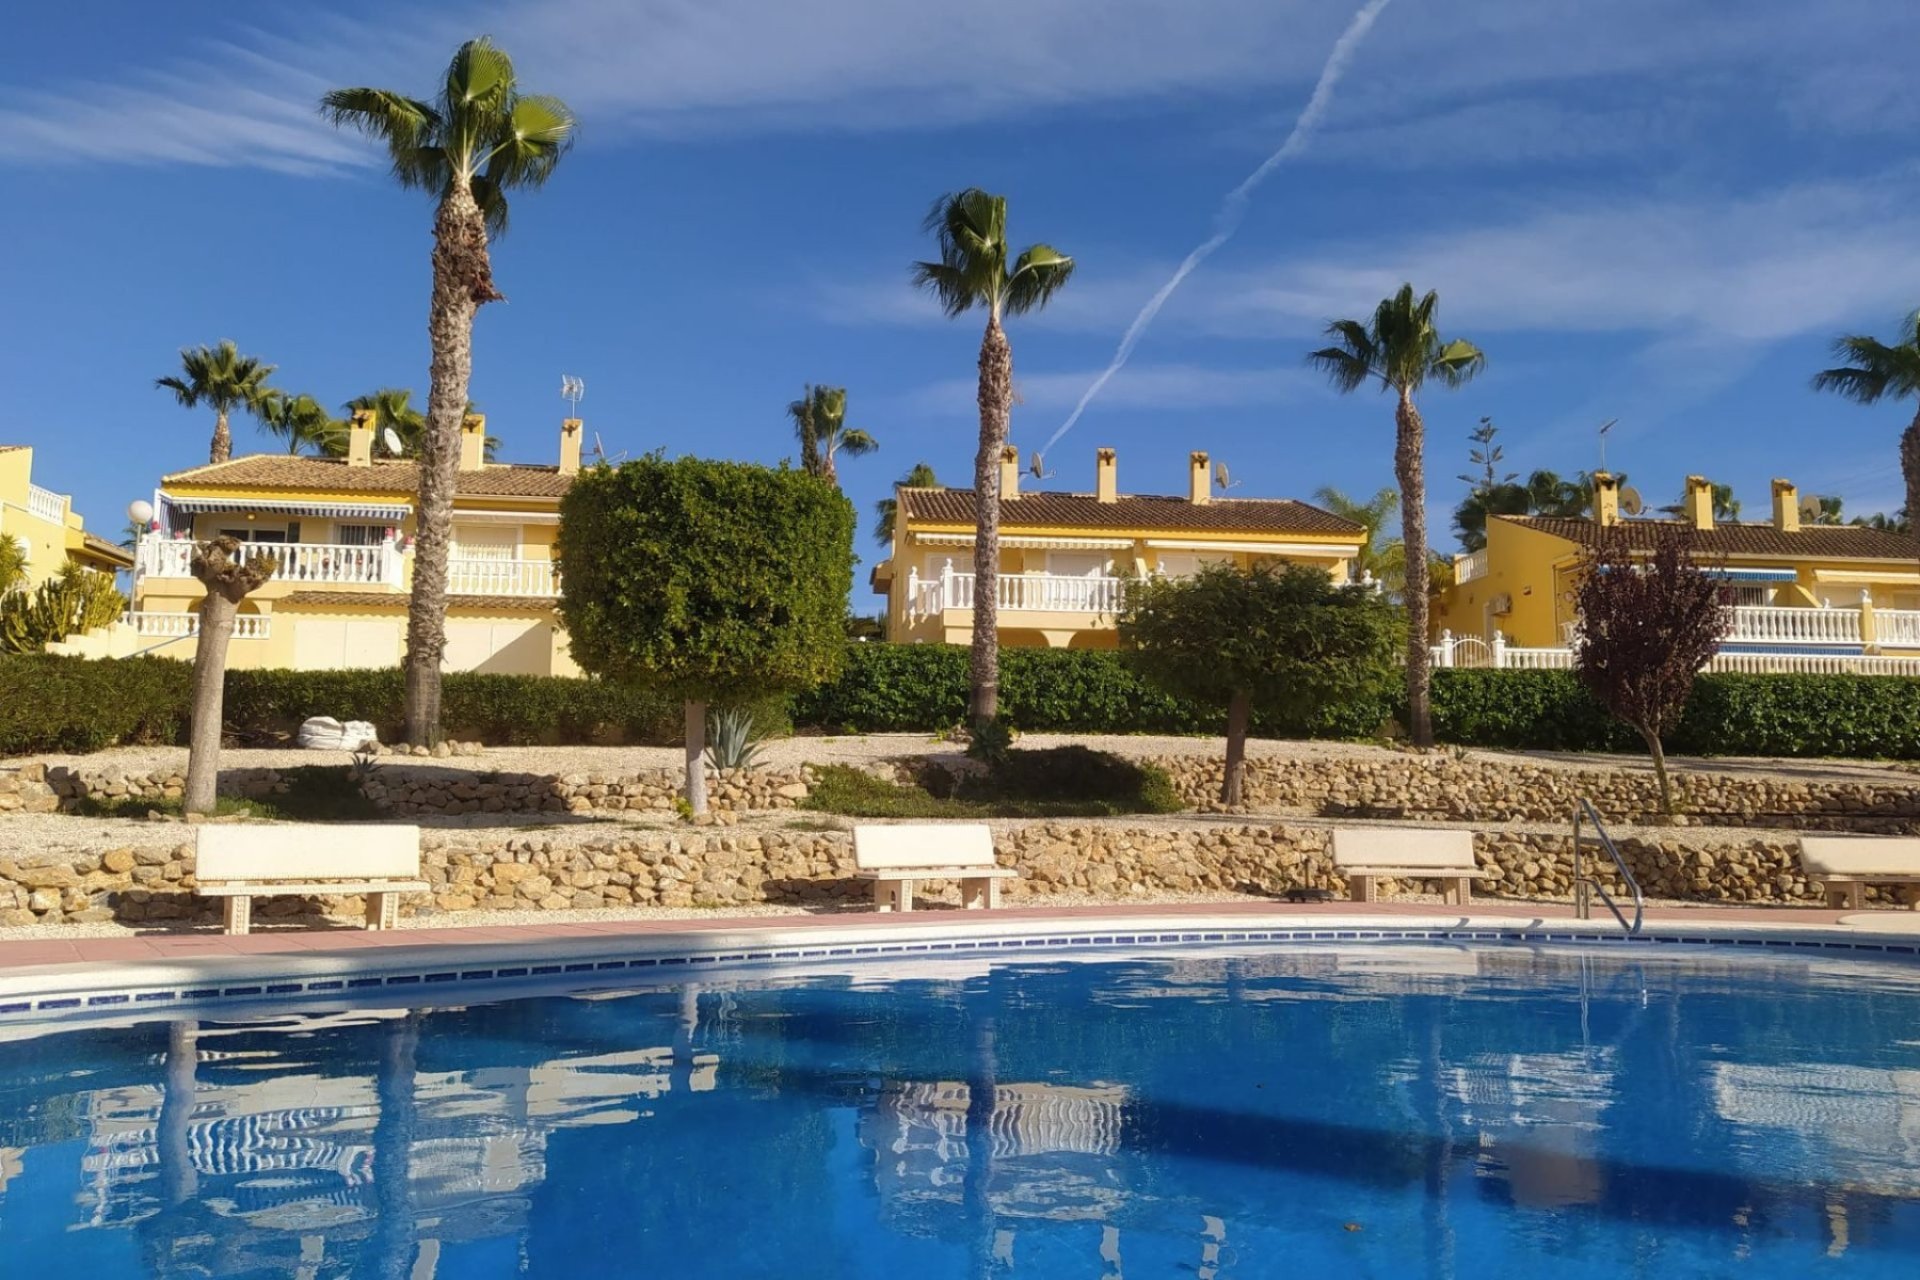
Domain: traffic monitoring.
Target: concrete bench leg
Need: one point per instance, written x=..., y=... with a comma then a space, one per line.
x=1847, y=897
x=982, y=892
x=383, y=911
x=1363, y=888
x=1459, y=892
x=893, y=895
x=239, y=914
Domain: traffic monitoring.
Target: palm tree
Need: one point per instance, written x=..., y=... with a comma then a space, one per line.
x=302, y=421
x=976, y=269
x=1874, y=371
x=224, y=379
x=1401, y=348
x=478, y=139
x=820, y=423
x=887, y=509
x=392, y=408
x=1379, y=553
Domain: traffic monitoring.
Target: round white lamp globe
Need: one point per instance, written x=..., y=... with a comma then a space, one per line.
x=140, y=511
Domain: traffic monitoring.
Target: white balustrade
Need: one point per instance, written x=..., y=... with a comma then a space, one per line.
x=1772, y=624
x=246, y=626
x=303, y=562
x=1897, y=628
x=1042, y=592
x=45, y=504
x=1468, y=567
x=470, y=577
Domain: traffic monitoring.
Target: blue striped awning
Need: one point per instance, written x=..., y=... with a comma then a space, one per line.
x=1754, y=575
x=388, y=512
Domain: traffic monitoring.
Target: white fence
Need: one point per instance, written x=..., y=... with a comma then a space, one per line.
x=45, y=504
x=1057, y=593
x=1471, y=651
x=467, y=577
x=313, y=562
x=246, y=626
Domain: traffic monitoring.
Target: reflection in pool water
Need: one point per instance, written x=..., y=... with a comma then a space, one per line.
x=1382, y=1111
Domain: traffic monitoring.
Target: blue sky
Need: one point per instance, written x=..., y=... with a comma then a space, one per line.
x=1659, y=211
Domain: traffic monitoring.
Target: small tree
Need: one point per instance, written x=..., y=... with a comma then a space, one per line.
x=716, y=581
x=1646, y=629
x=1283, y=640
x=230, y=571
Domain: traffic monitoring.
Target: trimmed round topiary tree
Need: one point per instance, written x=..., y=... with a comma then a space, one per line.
x=718, y=582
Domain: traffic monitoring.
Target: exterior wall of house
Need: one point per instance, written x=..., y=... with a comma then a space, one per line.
x=44, y=521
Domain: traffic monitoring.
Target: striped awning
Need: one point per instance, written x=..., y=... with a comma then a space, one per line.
x=1754, y=575
x=1026, y=542
x=389, y=512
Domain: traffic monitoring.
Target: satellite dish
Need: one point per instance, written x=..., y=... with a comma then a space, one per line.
x=1222, y=480
x=1812, y=508
x=1037, y=468
x=391, y=439
x=1630, y=502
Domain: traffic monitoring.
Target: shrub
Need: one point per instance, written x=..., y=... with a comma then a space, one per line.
x=50, y=703
x=1060, y=782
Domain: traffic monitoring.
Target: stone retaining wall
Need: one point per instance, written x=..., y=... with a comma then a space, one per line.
x=486, y=869
x=1482, y=790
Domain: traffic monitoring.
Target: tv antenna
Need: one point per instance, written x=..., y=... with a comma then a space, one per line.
x=391, y=438
x=1604, y=428
x=600, y=457
x=572, y=390
x=1037, y=468
x=1222, y=479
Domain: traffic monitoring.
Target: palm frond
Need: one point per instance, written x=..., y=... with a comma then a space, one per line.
x=1863, y=386
x=405, y=124
x=1039, y=273
x=948, y=284
x=1457, y=362
x=856, y=443
x=182, y=391
x=1345, y=369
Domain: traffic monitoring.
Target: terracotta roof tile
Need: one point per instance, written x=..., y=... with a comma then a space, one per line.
x=111, y=550
x=1135, y=512
x=386, y=475
x=1823, y=541
x=398, y=599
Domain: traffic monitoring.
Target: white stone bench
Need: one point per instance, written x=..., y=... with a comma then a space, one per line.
x=1845, y=865
x=1366, y=854
x=241, y=862
x=893, y=857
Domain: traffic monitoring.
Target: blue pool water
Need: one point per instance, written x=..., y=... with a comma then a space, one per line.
x=1385, y=1111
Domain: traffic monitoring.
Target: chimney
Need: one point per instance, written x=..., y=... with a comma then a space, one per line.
x=1009, y=472
x=1199, y=480
x=360, y=439
x=1606, y=499
x=1786, y=507
x=473, y=442
x=1699, y=503
x=570, y=446
x=1106, y=475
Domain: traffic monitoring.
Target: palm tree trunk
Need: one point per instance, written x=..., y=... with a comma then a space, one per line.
x=1910, y=471
x=222, y=447
x=1239, y=708
x=696, y=747
x=209, y=694
x=462, y=282
x=1409, y=468
x=996, y=407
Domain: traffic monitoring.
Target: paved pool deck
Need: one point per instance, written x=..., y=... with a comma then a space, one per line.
x=351, y=940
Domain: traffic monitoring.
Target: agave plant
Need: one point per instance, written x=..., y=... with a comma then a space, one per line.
x=731, y=741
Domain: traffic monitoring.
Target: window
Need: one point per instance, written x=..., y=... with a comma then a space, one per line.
x=360, y=535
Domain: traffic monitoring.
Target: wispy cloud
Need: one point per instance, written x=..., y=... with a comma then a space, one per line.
x=1137, y=388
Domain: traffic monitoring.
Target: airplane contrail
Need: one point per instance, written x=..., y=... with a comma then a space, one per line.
x=1233, y=210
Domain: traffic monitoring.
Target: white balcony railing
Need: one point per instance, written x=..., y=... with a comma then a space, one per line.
x=45, y=504
x=1057, y=593
x=246, y=626
x=305, y=562
x=1468, y=567
x=1771, y=624
x=467, y=577
x=1897, y=628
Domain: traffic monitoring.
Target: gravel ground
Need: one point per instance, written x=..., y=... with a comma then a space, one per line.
x=865, y=749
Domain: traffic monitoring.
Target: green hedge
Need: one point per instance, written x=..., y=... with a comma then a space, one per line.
x=72, y=704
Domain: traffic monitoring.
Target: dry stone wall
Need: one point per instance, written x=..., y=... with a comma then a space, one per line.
x=480, y=869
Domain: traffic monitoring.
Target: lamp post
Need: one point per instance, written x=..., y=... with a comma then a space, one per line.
x=140, y=515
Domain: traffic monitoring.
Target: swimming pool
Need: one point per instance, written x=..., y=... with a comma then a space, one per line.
x=1387, y=1110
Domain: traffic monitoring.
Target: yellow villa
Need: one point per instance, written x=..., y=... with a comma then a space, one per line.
x=1798, y=588
x=343, y=530
x=44, y=524
x=1065, y=556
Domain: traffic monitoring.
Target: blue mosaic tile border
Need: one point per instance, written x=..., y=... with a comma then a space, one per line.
x=337, y=985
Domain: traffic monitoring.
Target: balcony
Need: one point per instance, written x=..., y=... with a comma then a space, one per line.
x=1469, y=567
x=1771, y=624
x=307, y=563
x=529, y=578
x=45, y=504
x=246, y=626
x=1037, y=592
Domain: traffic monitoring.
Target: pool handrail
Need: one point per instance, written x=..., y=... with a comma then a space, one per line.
x=1582, y=883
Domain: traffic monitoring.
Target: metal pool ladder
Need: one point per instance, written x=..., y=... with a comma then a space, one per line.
x=1585, y=886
